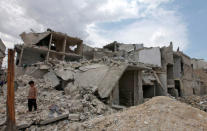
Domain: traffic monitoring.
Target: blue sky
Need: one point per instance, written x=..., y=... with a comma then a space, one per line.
x=195, y=15
x=99, y=22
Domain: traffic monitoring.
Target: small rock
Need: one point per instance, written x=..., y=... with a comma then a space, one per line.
x=146, y=123
x=74, y=117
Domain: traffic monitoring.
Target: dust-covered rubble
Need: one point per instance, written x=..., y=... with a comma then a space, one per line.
x=199, y=102
x=61, y=95
x=158, y=114
x=57, y=95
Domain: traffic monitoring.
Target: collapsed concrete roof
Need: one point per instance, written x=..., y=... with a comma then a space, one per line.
x=34, y=38
x=103, y=78
x=48, y=45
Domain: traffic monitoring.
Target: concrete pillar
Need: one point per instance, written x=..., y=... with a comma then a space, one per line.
x=48, y=53
x=64, y=47
x=79, y=48
x=163, y=80
x=140, y=101
x=136, y=88
x=21, y=54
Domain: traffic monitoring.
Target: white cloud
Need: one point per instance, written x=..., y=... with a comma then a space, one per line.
x=154, y=25
x=119, y=9
x=94, y=39
x=14, y=21
x=157, y=27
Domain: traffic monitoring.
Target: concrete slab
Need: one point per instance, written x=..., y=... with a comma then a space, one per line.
x=44, y=67
x=65, y=74
x=48, y=121
x=94, y=66
x=51, y=78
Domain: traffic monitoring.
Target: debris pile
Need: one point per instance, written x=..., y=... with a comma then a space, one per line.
x=159, y=113
x=199, y=102
x=79, y=85
x=58, y=94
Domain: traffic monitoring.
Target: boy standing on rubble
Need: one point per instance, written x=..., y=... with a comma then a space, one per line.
x=32, y=96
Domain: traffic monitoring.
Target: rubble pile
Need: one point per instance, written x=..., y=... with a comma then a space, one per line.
x=57, y=94
x=79, y=85
x=199, y=102
x=158, y=114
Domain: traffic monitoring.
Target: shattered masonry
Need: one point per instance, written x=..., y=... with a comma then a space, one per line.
x=39, y=47
x=162, y=70
x=78, y=82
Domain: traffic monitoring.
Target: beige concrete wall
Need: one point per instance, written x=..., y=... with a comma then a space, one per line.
x=188, y=77
x=148, y=56
x=199, y=64
x=187, y=87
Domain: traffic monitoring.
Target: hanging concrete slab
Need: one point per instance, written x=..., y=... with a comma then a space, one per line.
x=91, y=78
x=110, y=79
x=102, y=78
x=33, y=38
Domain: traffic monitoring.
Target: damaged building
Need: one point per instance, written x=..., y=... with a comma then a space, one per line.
x=200, y=70
x=39, y=47
x=77, y=82
x=122, y=83
x=142, y=72
x=172, y=71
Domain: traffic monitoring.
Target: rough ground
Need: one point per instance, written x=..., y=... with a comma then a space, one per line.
x=80, y=101
x=90, y=113
x=158, y=114
x=199, y=102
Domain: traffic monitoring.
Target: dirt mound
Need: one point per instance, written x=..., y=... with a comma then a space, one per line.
x=160, y=113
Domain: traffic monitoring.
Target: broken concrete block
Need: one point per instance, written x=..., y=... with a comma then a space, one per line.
x=54, y=119
x=52, y=79
x=44, y=67
x=70, y=89
x=76, y=106
x=65, y=74
x=100, y=109
x=74, y=117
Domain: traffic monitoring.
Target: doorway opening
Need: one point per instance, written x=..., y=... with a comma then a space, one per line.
x=126, y=89
x=178, y=87
x=148, y=91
